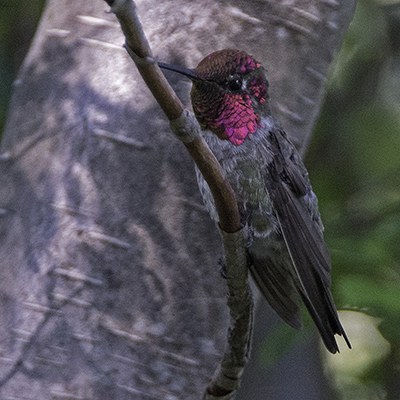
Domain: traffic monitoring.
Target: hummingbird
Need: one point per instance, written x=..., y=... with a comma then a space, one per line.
x=288, y=257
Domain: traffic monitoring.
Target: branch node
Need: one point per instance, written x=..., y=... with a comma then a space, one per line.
x=185, y=127
x=140, y=61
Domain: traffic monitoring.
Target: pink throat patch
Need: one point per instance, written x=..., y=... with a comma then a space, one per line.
x=238, y=135
x=237, y=119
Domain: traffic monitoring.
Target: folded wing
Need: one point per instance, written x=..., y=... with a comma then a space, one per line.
x=297, y=215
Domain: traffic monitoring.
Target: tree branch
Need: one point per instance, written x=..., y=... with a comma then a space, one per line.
x=186, y=128
x=186, y=125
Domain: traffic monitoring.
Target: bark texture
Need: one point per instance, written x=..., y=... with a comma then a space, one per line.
x=109, y=277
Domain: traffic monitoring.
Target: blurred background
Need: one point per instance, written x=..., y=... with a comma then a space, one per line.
x=354, y=163
x=18, y=21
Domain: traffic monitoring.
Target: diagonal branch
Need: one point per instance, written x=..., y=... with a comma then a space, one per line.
x=184, y=125
x=188, y=128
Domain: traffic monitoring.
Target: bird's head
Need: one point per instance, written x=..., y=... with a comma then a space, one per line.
x=229, y=94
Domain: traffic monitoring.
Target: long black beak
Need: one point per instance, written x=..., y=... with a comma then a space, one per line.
x=191, y=74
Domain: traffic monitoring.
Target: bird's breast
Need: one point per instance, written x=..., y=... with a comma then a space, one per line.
x=245, y=167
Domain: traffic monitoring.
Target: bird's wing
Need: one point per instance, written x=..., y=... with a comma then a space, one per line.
x=273, y=277
x=298, y=218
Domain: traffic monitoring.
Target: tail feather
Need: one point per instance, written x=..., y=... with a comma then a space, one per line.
x=283, y=289
x=279, y=291
x=311, y=265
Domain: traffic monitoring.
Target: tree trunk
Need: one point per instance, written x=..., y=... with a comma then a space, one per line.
x=110, y=285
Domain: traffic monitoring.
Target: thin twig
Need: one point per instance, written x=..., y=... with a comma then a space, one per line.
x=139, y=50
x=184, y=125
x=228, y=376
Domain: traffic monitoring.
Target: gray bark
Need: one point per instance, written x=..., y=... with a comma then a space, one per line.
x=110, y=285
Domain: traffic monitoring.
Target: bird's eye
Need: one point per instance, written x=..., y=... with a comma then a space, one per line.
x=234, y=84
